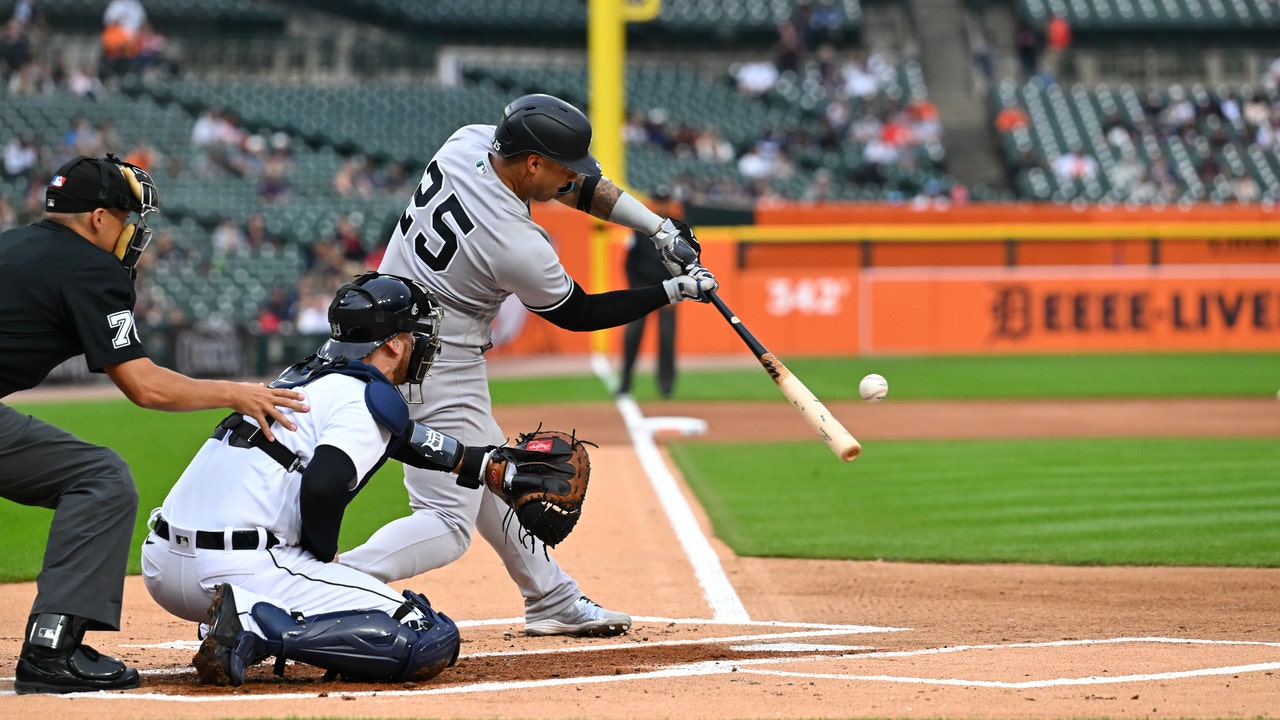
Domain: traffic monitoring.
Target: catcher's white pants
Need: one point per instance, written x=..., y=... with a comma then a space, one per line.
x=182, y=581
x=456, y=402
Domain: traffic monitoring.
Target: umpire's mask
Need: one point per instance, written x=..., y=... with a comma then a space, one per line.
x=84, y=183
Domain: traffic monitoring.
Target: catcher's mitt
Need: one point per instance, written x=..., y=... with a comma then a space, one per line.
x=543, y=479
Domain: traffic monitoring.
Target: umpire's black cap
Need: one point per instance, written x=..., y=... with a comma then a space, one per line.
x=84, y=184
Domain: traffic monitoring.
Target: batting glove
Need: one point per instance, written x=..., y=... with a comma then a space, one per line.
x=677, y=246
x=693, y=286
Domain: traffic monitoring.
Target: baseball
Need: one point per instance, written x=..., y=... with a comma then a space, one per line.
x=873, y=388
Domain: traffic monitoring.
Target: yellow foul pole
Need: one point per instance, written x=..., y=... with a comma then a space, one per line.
x=607, y=90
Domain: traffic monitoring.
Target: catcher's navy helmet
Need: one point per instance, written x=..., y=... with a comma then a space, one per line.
x=550, y=127
x=374, y=308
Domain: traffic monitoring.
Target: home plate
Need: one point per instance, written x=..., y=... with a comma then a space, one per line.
x=674, y=424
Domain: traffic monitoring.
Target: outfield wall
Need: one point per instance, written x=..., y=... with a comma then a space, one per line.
x=873, y=279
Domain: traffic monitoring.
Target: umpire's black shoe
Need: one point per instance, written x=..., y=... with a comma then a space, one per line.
x=53, y=660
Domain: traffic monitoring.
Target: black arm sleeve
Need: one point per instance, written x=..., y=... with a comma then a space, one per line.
x=322, y=500
x=582, y=312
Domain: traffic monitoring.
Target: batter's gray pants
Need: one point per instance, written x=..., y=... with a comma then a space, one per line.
x=95, y=506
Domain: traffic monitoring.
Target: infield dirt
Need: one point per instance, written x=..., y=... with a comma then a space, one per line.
x=898, y=638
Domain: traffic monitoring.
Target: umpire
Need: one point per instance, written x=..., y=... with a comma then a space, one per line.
x=644, y=267
x=68, y=290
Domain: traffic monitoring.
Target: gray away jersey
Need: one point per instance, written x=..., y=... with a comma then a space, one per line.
x=473, y=242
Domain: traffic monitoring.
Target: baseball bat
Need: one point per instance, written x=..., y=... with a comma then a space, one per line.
x=844, y=445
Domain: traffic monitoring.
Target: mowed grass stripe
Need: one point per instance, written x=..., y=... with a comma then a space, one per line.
x=1079, y=501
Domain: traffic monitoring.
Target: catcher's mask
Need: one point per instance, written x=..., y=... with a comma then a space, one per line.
x=84, y=183
x=373, y=309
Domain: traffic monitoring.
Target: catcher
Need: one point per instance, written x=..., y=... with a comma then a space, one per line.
x=247, y=539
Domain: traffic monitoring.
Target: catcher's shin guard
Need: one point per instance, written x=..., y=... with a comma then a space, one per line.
x=366, y=645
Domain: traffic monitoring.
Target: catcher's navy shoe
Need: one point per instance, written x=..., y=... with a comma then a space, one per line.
x=228, y=649
x=582, y=618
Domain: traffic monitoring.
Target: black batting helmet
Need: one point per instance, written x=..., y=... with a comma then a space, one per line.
x=550, y=127
x=374, y=308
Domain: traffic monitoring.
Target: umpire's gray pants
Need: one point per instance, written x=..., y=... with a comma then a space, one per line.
x=95, y=506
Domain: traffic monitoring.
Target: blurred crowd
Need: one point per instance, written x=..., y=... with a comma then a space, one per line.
x=1219, y=131
x=859, y=110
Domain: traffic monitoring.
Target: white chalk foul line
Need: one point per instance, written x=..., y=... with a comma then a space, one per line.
x=723, y=599
x=1028, y=684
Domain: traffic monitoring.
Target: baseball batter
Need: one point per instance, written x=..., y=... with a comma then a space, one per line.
x=468, y=235
x=252, y=525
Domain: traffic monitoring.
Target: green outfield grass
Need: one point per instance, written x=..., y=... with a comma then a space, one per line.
x=996, y=377
x=1114, y=501
x=1097, y=501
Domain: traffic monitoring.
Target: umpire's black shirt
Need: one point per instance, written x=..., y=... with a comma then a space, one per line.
x=60, y=296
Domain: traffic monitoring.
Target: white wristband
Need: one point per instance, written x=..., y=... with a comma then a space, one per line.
x=632, y=213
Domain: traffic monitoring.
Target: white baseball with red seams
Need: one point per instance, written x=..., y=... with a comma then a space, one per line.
x=873, y=388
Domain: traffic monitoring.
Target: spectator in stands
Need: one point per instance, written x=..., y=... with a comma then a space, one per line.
x=789, y=49
x=108, y=137
x=756, y=78
x=1011, y=117
x=277, y=312
x=1127, y=172
x=130, y=15
x=866, y=127
x=801, y=15
x=81, y=82
x=8, y=214
x=1057, y=36
x=655, y=126
x=145, y=156
x=830, y=71
x=1029, y=45
x=924, y=124
x=153, y=51
x=392, y=179
x=1160, y=184
x=353, y=178
x=1179, y=114
x=821, y=187
x=313, y=311
x=347, y=236
x=119, y=52
x=227, y=238
x=859, y=81
x=27, y=13
x=1243, y=187
x=21, y=155
x=258, y=237
x=826, y=23
x=274, y=185
x=1271, y=77
x=710, y=146
x=877, y=157
x=15, y=49
x=326, y=259
x=1075, y=165
x=82, y=138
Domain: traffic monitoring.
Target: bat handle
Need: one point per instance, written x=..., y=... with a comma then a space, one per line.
x=753, y=344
